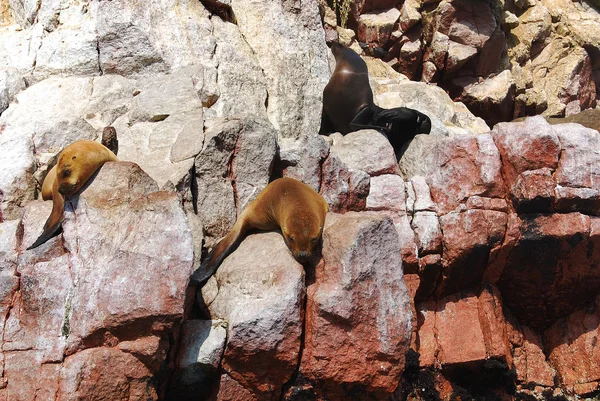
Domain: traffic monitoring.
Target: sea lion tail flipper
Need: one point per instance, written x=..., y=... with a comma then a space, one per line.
x=54, y=222
x=219, y=253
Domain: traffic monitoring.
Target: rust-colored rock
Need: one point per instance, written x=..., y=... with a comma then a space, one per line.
x=572, y=343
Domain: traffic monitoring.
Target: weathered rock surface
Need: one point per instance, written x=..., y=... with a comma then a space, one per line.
x=358, y=305
x=95, y=304
x=261, y=299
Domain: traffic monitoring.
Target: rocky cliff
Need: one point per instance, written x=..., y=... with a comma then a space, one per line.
x=467, y=270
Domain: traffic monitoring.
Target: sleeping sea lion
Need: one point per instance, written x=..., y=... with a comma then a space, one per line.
x=109, y=139
x=76, y=164
x=294, y=207
x=348, y=104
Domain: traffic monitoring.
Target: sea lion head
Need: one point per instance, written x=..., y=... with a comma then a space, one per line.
x=69, y=172
x=302, y=232
x=402, y=123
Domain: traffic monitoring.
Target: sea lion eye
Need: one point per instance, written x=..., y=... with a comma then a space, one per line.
x=291, y=239
x=314, y=240
x=73, y=158
x=66, y=173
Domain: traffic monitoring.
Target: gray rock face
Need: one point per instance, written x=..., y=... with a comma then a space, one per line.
x=233, y=167
x=292, y=53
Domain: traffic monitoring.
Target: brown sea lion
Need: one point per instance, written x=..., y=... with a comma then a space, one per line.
x=76, y=164
x=109, y=139
x=294, y=207
x=348, y=104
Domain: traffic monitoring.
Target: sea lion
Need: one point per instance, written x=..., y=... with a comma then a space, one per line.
x=294, y=207
x=348, y=104
x=109, y=139
x=76, y=164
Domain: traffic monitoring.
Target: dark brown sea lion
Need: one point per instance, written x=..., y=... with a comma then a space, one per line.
x=286, y=203
x=348, y=104
x=76, y=164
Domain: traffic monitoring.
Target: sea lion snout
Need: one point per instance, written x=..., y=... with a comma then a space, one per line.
x=67, y=188
x=302, y=256
x=424, y=124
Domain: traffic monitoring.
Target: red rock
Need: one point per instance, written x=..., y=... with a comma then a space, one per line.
x=230, y=390
x=359, y=306
x=529, y=145
x=574, y=350
x=534, y=191
x=27, y=379
x=430, y=267
x=119, y=375
x=468, y=239
x=529, y=360
x=550, y=271
x=462, y=329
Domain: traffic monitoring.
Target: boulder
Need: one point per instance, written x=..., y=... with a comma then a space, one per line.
x=82, y=316
x=260, y=295
x=360, y=267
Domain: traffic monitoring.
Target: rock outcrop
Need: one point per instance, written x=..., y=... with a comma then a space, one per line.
x=503, y=60
x=466, y=266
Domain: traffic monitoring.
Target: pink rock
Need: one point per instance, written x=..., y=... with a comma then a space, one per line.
x=465, y=166
x=574, y=349
x=342, y=188
x=97, y=301
x=410, y=55
x=490, y=98
x=427, y=232
x=302, y=159
x=233, y=167
x=358, y=305
x=579, y=161
x=386, y=193
x=366, y=150
x=377, y=28
x=261, y=293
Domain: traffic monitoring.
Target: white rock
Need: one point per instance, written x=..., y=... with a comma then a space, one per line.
x=202, y=342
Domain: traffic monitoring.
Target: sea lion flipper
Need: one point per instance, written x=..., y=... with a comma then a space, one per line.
x=364, y=119
x=220, y=252
x=54, y=222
